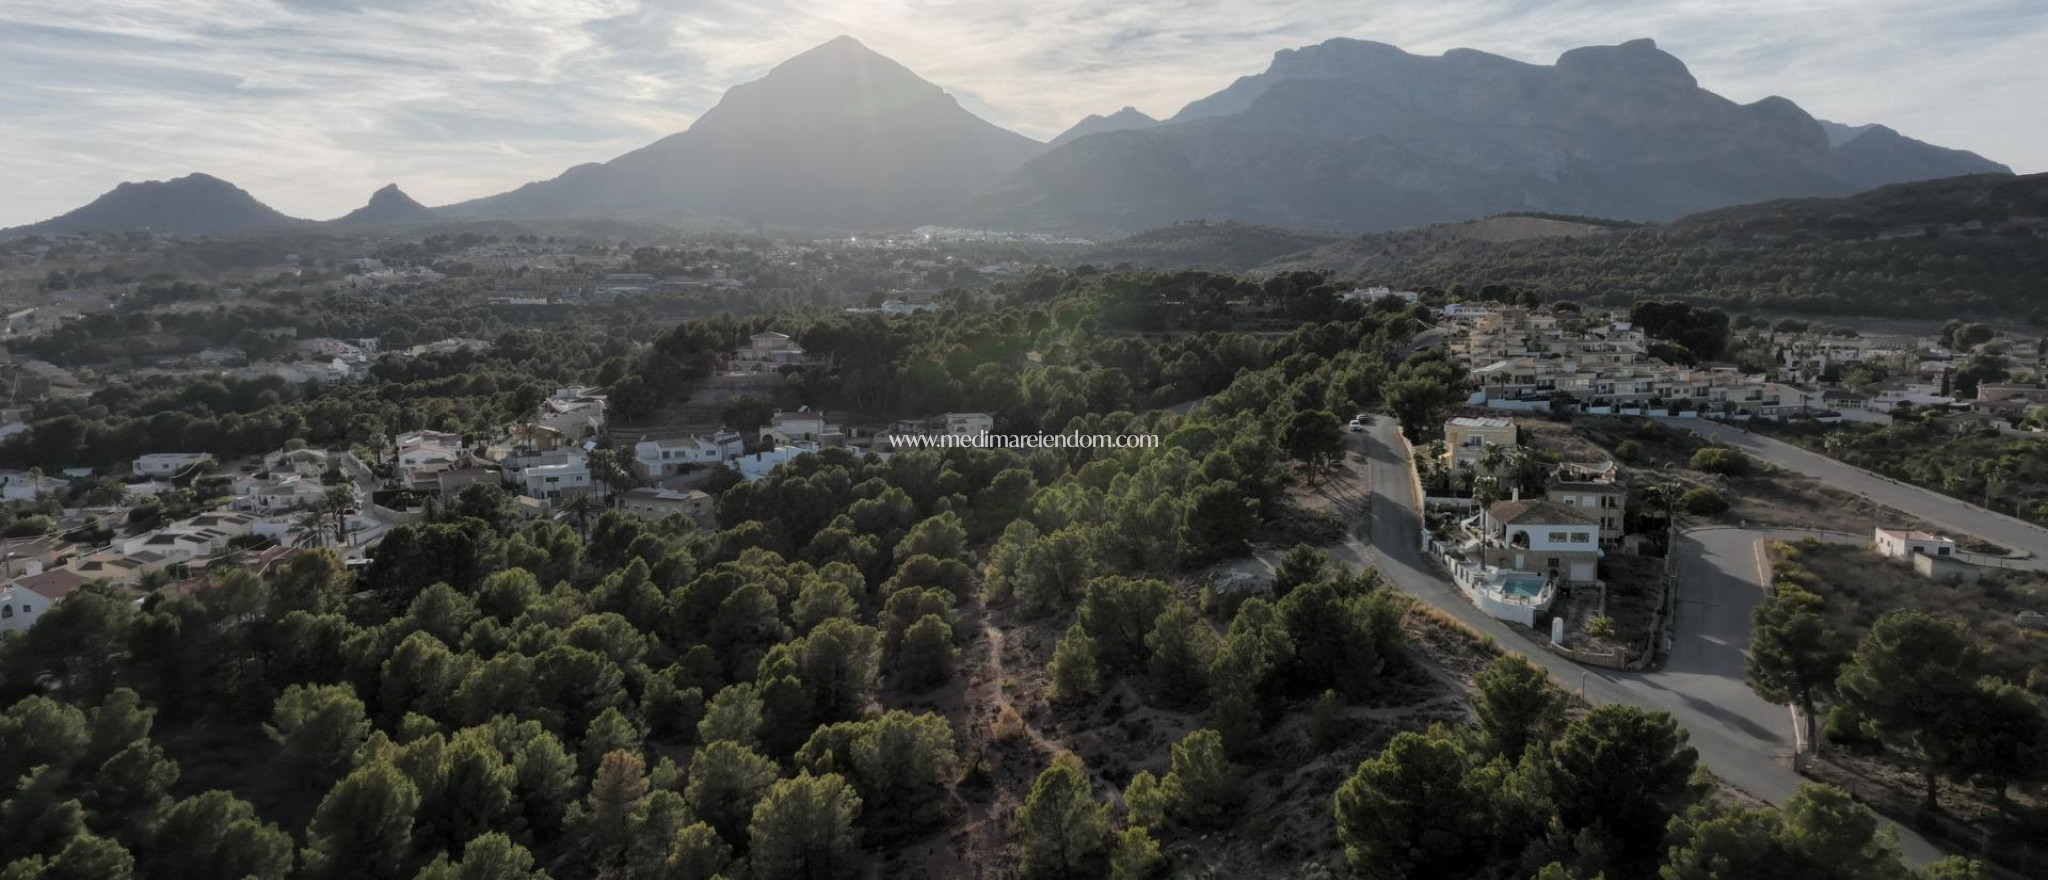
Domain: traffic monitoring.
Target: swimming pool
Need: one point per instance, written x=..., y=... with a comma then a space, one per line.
x=1525, y=587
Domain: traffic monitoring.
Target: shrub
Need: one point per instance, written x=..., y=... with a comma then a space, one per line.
x=1720, y=460
x=1703, y=502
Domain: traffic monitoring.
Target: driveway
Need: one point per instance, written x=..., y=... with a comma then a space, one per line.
x=1742, y=739
x=1934, y=507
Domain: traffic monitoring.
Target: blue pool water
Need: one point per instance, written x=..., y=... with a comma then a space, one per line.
x=1526, y=587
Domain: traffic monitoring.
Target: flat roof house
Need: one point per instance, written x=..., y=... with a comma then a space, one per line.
x=1904, y=544
x=1466, y=437
x=169, y=464
x=652, y=503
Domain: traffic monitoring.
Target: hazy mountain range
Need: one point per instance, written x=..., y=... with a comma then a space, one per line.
x=1345, y=135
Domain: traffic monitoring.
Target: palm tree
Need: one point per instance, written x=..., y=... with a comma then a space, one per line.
x=606, y=467
x=312, y=527
x=1664, y=496
x=1491, y=456
x=582, y=506
x=339, y=501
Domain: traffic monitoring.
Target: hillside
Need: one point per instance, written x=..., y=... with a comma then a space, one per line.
x=1960, y=246
x=1206, y=245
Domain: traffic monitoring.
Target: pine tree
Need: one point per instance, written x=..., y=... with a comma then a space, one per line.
x=1517, y=704
x=925, y=657
x=1203, y=788
x=696, y=853
x=363, y=828
x=599, y=824
x=217, y=836
x=319, y=728
x=1072, y=669
x=1182, y=647
x=1136, y=856
x=803, y=830
x=1414, y=812
x=726, y=781
x=491, y=856
x=1062, y=831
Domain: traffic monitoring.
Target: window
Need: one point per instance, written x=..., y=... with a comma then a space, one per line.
x=1558, y=537
x=6, y=611
x=1580, y=538
x=1552, y=564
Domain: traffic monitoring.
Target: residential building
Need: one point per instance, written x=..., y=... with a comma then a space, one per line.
x=276, y=492
x=766, y=353
x=1904, y=544
x=450, y=482
x=897, y=308
x=26, y=598
x=1466, y=439
x=969, y=423
x=1375, y=294
x=549, y=482
x=25, y=486
x=758, y=465
x=802, y=426
x=1605, y=502
x=304, y=462
x=1540, y=536
x=170, y=464
x=651, y=503
x=662, y=457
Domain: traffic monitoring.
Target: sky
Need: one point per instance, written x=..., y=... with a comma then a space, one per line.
x=313, y=104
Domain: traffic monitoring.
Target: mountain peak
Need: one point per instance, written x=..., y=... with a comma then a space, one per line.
x=387, y=206
x=838, y=137
x=1127, y=119
x=1637, y=60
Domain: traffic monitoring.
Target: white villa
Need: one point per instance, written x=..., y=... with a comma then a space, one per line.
x=169, y=464
x=667, y=456
x=765, y=353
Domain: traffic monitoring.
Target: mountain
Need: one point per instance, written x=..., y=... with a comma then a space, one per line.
x=1968, y=246
x=1127, y=119
x=389, y=206
x=1877, y=155
x=1356, y=135
x=836, y=137
x=192, y=205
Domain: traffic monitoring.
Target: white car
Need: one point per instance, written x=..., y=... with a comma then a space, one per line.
x=1357, y=426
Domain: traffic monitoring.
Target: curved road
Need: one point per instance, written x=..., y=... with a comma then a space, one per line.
x=1744, y=740
x=1949, y=513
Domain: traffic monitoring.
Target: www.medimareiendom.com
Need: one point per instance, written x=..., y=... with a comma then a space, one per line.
x=1023, y=441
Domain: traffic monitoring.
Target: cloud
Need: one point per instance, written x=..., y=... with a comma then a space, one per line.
x=311, y=104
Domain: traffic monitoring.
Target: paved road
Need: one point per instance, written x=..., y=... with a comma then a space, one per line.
x=1744, y=740
x=1934, y=507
